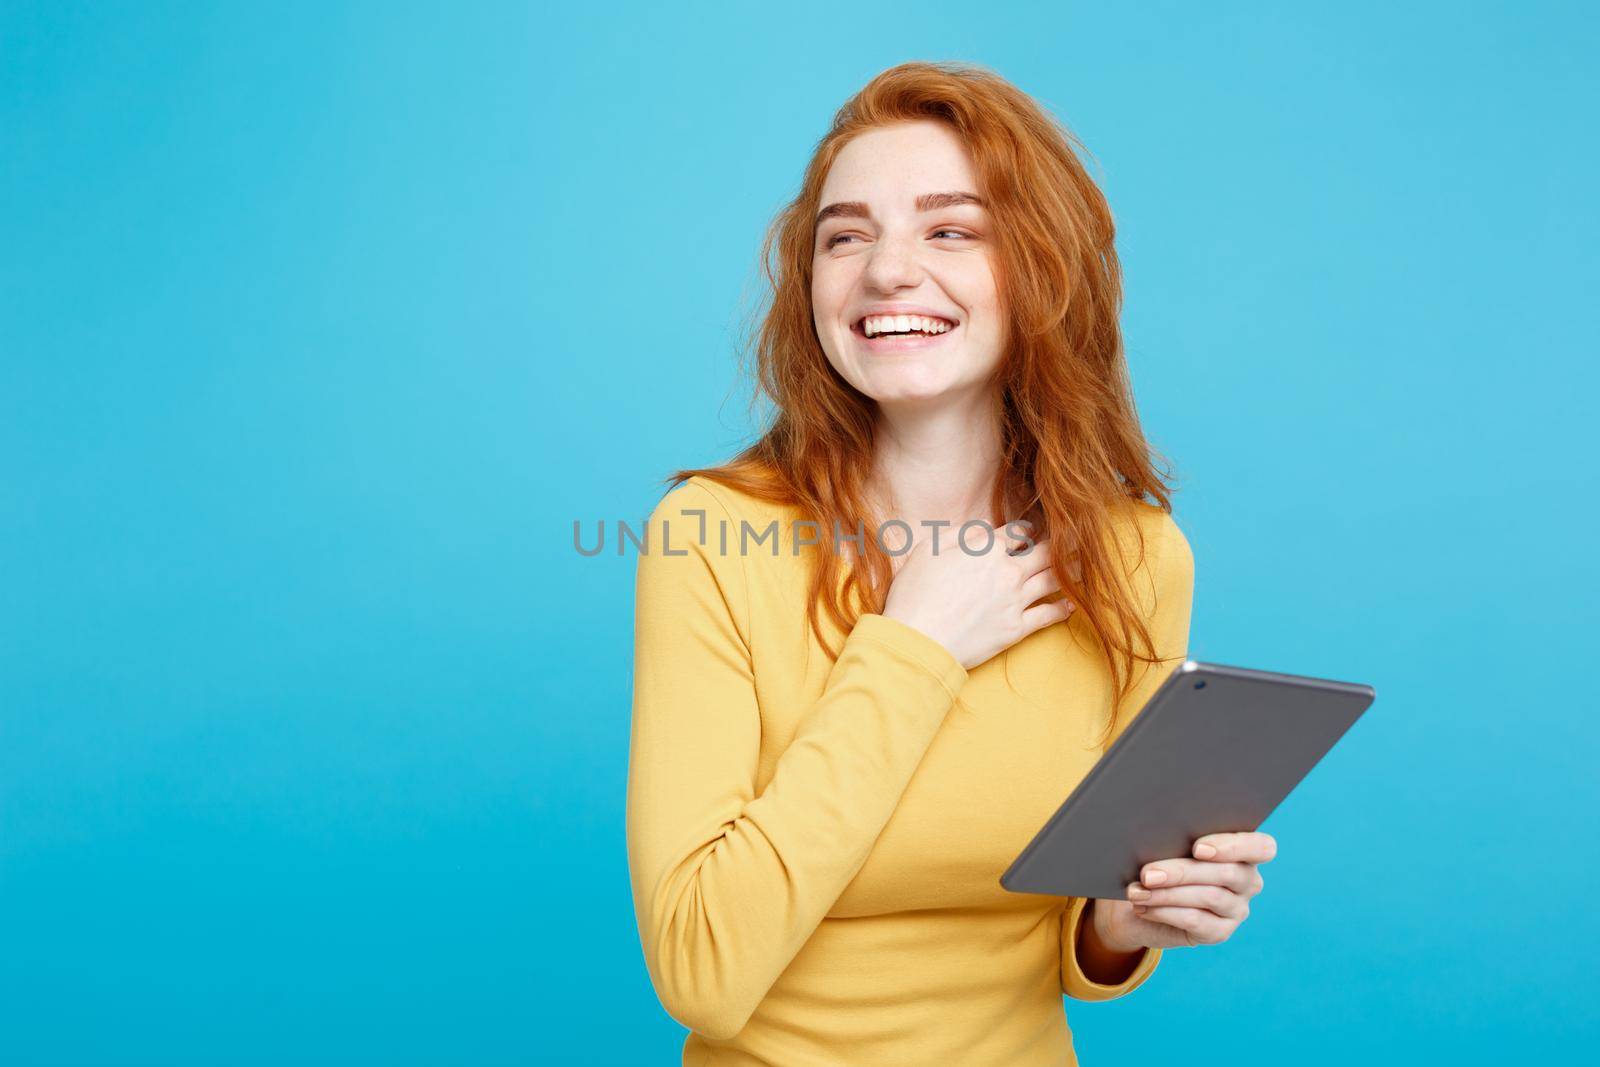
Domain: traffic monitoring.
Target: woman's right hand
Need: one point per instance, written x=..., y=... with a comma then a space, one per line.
x=976, y=606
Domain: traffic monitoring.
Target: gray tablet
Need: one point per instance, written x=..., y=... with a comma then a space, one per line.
x=1216, y=749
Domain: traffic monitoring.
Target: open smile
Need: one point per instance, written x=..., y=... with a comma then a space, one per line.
x=902, y=333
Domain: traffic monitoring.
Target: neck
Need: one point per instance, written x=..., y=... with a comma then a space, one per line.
x=936, y=463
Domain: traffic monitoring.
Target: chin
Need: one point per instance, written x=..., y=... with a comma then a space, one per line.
x=909, y=385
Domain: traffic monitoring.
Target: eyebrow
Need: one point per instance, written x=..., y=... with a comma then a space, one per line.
x=855, y=209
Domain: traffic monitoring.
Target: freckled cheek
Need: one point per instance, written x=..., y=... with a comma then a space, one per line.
x=827, y=295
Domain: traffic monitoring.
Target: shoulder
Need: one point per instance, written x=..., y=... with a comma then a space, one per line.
x=1166, y=536
x=706, y=544
x=1144, y=529
x=722, y=526
x=688, y=498
x=699, y=498
x=1155, y=551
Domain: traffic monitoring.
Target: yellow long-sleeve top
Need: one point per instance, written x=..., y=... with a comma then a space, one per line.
x=815, y=845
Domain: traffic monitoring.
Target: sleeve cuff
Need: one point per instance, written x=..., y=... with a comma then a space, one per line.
x=914, y=645
x=1080, y=986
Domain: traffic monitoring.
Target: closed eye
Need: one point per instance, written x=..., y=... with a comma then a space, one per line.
x=836, y=238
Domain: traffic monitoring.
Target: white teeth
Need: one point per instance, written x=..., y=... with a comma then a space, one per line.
x=876, y=324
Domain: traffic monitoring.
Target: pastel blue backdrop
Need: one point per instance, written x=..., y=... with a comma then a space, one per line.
x=322, y=323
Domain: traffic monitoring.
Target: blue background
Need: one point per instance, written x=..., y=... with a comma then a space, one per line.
x=321, y=324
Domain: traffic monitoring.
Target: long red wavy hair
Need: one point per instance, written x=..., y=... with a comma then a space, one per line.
x=1072, y=448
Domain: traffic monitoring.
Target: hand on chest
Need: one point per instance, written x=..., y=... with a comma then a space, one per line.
x=1016, y=743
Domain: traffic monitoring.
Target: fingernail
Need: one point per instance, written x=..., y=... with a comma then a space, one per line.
x=1205, y=851
x=1138, y=893
x=1155, y=877
x=1139, y=909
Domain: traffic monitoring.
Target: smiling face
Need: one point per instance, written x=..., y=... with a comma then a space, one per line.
x=903, y=233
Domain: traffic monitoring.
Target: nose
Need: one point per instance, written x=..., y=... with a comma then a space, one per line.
x=893, y=263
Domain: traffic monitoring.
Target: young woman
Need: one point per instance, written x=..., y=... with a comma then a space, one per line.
x=877, y=649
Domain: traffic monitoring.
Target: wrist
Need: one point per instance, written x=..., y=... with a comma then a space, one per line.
x=922, y=627
x=1103, y=956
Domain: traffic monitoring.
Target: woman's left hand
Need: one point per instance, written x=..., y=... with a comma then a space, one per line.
x=1183, y=902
